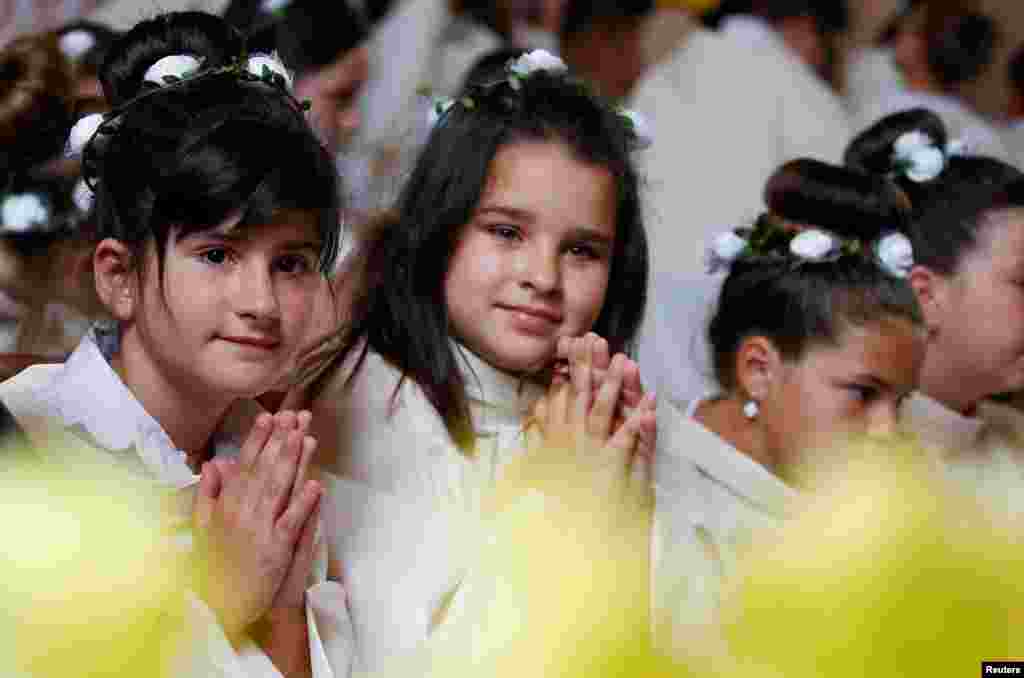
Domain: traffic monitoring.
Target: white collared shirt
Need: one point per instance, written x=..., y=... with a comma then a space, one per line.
x=85, y=397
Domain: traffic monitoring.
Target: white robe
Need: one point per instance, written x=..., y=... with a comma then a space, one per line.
x=712, y=500
x=724, y=116
x=85, y=397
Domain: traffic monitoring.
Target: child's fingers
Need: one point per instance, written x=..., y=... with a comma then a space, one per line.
x=305, y=550
x=582, y=396
x=309, y=445
x=303, y=420
x=257, y=438
x=294, y=517
x=601, y=357
x=599, y=423
x=206, y=495
x=280, y=476
x=632, y=387
x=624, y=440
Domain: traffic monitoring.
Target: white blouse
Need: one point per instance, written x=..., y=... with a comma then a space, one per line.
x=711, y=501
x=408, y=549
x=86, y=398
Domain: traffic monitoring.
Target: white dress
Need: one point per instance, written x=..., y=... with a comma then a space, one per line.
x=982, y=455
x=85, y=397
x=427, y=500
x=724, y=116
x=711, y=501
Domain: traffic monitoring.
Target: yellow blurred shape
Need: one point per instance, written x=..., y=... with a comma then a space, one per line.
x=886, y=572
x=91, y=585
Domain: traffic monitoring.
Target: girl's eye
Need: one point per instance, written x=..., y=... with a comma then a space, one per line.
x=294, y=263
x=217, y=256
x=864, y=394
x=505, y=232
x=584, y=252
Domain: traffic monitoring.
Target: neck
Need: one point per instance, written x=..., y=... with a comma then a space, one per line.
x=923, y=83
x=941, y=381
x=725, y=419
x=189, y=417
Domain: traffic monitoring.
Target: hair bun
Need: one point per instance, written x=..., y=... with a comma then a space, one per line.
x=872, y=151
x=847, y=202
x=205, y=36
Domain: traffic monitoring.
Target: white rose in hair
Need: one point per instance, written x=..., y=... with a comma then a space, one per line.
x=176, y=65
x=437, y=109
x=813, y=245
x=911, y=141
x=538, y=60
x=21, y=212
x=74, y=44
x=82, y=196
x=82, y=132
x=957, y=147
x=258, y=61
x=895, y=255
x=641, y=129
x=725, y=249
x=925, y=164
x=271, y=6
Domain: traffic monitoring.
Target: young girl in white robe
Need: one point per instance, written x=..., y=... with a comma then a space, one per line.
x=967, y=232
x=520, y=225
x=217, y=210
x=816, y=334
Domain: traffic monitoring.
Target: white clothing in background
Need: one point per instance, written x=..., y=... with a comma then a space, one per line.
x=724, y=116
x=875, y=91
x=1013, y=140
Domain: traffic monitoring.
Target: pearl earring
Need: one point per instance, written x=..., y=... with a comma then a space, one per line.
x=751, y=409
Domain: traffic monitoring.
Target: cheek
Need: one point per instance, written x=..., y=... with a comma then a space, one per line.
x=585, y=293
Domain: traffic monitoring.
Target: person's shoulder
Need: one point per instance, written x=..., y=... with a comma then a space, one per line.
x=21, y=393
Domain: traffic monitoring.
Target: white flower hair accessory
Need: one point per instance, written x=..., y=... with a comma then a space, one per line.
x=172, y=69
x=274, y=6
x=814, y=245
x=642, y=137
x=916, y=156
x=957, y=147
x=83, y=132
x=438, y=107
x=22, y=212
x=82, y=196
x=537, y=60
x=726, y=248
x=270, y=67
x=895, y=254
x=74, y=44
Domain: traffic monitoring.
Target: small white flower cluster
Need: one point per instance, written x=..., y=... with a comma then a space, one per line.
x=542, y=60
x=920, y=159
x=175, y=67
x=22, y=212
x=893, y=251
x=75, y=44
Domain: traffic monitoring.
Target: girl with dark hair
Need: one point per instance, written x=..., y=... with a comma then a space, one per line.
x=216, y=215
x=936, y=48
x=520, y=225
x=816, y=335
x=968, y=237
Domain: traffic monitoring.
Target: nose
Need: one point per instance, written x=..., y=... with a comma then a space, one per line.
x=255, y=294
x=540, y=268
x=884, y=419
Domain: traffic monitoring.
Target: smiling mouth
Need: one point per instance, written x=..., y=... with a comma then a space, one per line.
x=546, y=315
x=254, y=342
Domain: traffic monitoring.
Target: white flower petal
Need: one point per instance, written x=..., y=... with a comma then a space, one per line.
x=82, y=132
x=438, y=108
x=911, y=141
x=641, y=129
x=725, y=249
x=21, y=212
x=176, y=65
x=74, y=44
x=957, y=147
x=537, y=60
x=256, y=63
x=925, y=164
x=813, y=245
x=82, y=196
x=895, y=254
x=271, y=6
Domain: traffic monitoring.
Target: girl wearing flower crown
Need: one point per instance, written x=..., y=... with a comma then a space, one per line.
x=217, y=211
x=816, y=335
x=520, y=226
x=967, y=235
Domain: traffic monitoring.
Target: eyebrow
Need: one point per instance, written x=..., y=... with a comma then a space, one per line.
x=587, y=233
x=237, y=235
x=875, y=381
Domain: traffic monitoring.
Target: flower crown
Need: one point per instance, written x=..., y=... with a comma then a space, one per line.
x=175, y=71
x=518, y=71
x=916, y=156
x=772, y=241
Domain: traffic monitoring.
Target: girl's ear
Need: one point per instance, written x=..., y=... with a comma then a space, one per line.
x=116, y=278
x=758, y=367
x=930, y=290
